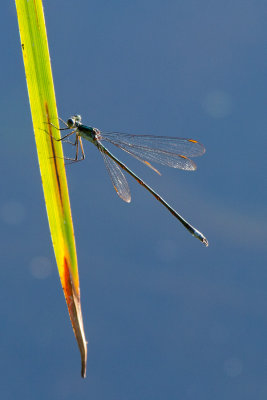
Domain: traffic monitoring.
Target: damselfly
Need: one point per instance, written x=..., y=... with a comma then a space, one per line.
x=170, y=151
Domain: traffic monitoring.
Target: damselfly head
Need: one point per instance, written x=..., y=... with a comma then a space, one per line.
x=72, y=122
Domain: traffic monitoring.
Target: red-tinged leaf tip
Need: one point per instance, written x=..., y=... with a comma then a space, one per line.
x=74, y=307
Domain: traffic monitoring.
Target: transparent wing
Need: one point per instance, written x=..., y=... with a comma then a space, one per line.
x=170, y=151
x=117, y=177
x=176, y=145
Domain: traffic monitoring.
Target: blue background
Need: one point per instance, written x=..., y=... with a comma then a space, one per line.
x=165, y=317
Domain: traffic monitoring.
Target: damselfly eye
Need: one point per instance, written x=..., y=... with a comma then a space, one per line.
x=78, y=118
x=70, y=122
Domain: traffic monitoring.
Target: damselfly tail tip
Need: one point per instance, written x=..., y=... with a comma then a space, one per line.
x=205, y=241
x=201, y=237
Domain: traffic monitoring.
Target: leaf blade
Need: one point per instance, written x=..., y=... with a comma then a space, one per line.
x=50, y=155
